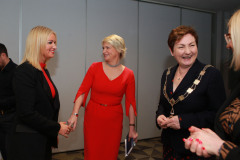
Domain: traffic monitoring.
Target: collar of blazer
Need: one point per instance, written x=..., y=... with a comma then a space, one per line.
x=45, y=85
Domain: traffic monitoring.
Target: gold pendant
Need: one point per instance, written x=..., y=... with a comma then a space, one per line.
x=171, y=113
x=172, y=102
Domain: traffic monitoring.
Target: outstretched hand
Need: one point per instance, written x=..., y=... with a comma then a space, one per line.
x=72, y=122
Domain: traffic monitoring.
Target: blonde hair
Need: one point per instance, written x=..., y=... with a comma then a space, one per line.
x=234, y=27
x=35, y=43
x=117, y=42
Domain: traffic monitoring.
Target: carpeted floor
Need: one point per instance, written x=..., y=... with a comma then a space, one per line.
x=149, y=149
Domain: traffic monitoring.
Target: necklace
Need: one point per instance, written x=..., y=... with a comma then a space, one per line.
x=172, y=101
x=179, y=77
x=113, y=65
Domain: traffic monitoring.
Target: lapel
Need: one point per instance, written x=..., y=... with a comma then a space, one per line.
x=55, y=101
x=170, y=81
x=187, y=81
x=46, y=87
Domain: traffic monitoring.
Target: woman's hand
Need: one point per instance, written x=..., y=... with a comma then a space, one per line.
x=196, y=146
x=72, y=122
x=203, y=142
x=64, y=130
x=173, y=123
x=132, y=133
x=161, y=120
x=165, y=122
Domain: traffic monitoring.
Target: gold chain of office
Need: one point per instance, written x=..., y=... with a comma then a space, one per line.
x=188, y=91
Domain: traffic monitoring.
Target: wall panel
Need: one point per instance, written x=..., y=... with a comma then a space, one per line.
x=155, y=23
x=9, y=32
x=202, y=23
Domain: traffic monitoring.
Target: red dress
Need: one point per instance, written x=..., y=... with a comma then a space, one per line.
x=104, y=114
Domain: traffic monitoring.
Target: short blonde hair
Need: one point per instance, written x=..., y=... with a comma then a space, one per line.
x=36, y=41
x=234, y=27
x=117, y=42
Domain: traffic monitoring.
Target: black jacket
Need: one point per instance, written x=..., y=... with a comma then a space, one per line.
x=7, y=98
x=36, y=110
x=198, y=109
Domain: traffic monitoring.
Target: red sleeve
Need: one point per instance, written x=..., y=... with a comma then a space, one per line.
x=86, y=84
x=130, y=95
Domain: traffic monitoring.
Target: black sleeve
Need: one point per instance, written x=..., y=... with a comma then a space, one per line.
x=24, y=84
x=160, y=109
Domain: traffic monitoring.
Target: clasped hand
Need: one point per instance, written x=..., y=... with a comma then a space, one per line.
x=69, y=126
x=166, y=122
x=65, y=129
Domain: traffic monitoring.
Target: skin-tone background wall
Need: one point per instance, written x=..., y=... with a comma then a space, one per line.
x=82, y=24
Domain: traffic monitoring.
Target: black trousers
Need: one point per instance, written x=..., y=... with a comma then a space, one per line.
x=29, y=146
x=6, y=127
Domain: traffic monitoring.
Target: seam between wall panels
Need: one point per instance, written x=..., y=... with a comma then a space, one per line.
x=20, y=33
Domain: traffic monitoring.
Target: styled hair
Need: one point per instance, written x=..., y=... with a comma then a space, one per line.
x=3, y=49
x=36, y=42
x=117, y=42
x=178, y=33
x=234, y=27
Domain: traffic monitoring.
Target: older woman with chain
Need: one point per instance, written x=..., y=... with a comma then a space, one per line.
x=191, y=94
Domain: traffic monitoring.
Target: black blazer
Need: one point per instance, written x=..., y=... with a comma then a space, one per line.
x=36, y=110
x=198, y=109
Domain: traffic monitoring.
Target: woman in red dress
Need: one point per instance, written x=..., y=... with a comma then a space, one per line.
x=108, y=81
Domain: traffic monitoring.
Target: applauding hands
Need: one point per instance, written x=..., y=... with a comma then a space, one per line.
x=204, y=142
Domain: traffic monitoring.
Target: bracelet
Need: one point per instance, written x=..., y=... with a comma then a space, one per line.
x=75, y=114
x=131, y=124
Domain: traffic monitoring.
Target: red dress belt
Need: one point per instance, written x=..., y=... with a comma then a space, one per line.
x=105, y=105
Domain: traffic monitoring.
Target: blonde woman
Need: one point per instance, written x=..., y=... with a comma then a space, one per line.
x=109, y=81
x=37, y=100
x=225, y=141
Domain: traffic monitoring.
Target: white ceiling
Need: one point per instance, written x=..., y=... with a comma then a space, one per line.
x=208, y=5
